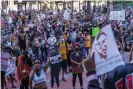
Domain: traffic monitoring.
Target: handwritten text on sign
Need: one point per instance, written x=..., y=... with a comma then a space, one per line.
x=55, y=59
x=105, y=51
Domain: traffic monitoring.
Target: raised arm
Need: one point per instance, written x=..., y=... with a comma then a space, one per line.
x=91, y=74
x=45, y=67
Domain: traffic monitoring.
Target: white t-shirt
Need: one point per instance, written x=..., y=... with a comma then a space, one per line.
x=40, y=79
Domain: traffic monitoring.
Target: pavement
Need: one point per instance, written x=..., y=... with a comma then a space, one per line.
x=63, y=85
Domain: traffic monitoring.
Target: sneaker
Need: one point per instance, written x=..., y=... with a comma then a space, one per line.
x=63, y=79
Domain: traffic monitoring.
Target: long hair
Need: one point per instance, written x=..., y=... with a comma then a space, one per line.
x=101, y=33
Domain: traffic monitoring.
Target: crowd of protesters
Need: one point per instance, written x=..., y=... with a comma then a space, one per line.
x=32, y=39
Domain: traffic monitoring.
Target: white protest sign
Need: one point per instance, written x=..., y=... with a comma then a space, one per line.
x=26, y=29
x=10, y=20
x=117, y=15
x=67, y=14
x=4, y=60
x=43, y=16
x=105, y=51
x=30, y=25
x=11, y=66
x=55, y=59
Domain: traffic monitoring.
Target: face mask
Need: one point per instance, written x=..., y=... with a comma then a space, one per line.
x=62, y=40
x=9, y=43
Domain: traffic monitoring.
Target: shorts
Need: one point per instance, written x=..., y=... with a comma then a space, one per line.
x=63, y=65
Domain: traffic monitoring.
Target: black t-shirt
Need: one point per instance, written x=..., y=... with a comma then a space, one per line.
x=81, y=41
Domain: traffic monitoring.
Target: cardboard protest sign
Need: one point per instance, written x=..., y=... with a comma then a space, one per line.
x=105, y=51
x=26, y=29
x=117, y=15
x=95, y=31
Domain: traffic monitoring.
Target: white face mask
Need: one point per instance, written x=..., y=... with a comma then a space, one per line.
x=9, y=43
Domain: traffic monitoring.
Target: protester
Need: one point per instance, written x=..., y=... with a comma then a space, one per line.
x=37, y=78
x=130, y=56
x=55, y=57
x=120, y=72
x=63, y=49
x=23, y=70
x=22, y=40
x=77, y=68
x=6, y=54
x=87, y=42
x=81, y=40
x=48, y=35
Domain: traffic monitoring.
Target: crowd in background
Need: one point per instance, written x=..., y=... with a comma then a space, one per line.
x=25, y=35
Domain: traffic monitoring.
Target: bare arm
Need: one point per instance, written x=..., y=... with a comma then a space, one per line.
x=45, y=67
x=74, y=62
x=130, y=55
x=30, y=78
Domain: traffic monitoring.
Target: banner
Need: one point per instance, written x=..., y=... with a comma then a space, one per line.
x=95, y=31
x=105, y=51
x=117, y=15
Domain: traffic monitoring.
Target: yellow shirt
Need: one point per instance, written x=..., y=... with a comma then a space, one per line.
x=63, y=50
x=87, y=41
